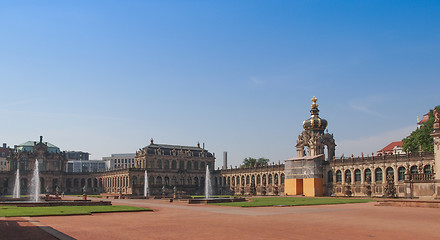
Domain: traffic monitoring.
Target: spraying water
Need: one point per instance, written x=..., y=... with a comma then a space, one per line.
x=16, y=193
x=35, y=183
x=146, y=188
x=208, y=186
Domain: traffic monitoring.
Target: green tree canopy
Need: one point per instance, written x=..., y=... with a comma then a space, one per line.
x=421, y=136
x=250, y=162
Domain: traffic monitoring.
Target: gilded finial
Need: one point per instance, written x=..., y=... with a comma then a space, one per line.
x=198, y=144
x=314, y=105
x=151, y=141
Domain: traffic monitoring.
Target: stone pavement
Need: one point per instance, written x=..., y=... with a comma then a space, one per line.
x=182, y=221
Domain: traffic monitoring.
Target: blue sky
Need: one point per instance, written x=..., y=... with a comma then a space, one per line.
x=106, y=76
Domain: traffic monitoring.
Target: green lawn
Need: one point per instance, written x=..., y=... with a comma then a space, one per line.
x=292, y=201
x=13, y=211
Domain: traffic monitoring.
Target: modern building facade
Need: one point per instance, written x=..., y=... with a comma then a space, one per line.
x=84, y=166
x=77, y=155
x=4, y=152
x=120, y=161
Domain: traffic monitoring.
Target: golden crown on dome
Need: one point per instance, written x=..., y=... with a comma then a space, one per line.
x=314, y=105
x=315, y=123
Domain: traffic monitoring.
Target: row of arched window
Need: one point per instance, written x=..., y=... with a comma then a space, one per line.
x=89, y=182
x=378, y=174
x=258, y=179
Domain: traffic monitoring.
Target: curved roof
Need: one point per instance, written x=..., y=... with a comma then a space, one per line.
x=29, y=147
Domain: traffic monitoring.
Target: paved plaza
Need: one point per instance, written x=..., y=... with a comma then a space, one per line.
x=182, y=221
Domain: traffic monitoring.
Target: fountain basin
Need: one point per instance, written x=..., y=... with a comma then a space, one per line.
x=55, y=203
x=215, y=200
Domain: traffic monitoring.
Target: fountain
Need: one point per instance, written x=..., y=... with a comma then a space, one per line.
x=208, y=186
x=16, y=193
x=35, y=183
x=146, y=187
x=208, y=193
x=48, y=201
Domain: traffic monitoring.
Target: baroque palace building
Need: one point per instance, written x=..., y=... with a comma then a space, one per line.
x=181, y=170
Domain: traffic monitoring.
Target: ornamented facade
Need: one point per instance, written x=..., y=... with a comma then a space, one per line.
x=180, y=170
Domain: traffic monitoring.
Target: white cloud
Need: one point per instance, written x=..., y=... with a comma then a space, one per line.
x=371, y=144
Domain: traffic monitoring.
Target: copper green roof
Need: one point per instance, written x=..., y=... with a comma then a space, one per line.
x=29, y=147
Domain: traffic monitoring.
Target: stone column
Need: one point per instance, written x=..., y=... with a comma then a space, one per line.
x=300, y=151
x=352, y=176
x=362, y=175
x=343, y=176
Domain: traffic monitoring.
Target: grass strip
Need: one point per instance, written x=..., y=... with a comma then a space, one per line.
x=13, y=211
x=292, y=201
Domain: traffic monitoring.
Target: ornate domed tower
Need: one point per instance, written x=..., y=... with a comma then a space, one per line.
x=304, y=174
x=313, y=137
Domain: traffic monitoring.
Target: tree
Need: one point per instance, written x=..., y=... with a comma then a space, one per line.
x=421, y=136
x=250, y=162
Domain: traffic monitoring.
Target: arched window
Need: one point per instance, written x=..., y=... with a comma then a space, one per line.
x=159, y=164
x=189, y=165
x=151, y=180
x=367, y=175
x=247, y=180
x=347, y=176
x=270, y=179
x=338, y=176
x=330, y=177
x=229, y=180
x=167, y=164
x=196, y=165
x=253, y=179
x=68, y=182
x=378, y=174
x=258, y=179
x=414, y=170
x=390, y=172
x=151, y=163
x=401, y=172
x=196, y=181
x=427, y=169
x=174, y=181
x=202, y=166
x=242, y=180
x=174, y=164
x=238, y=180
x=264, y=179
x=282, y=178
x=276, y=178
x=167, y=181
x=357, y=175
x=159, y=180
x=181, y=165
